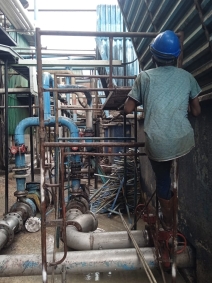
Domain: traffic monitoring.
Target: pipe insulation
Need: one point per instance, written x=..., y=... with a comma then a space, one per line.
x=87, y=261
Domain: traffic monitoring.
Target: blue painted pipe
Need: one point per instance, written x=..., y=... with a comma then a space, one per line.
x=48, y=121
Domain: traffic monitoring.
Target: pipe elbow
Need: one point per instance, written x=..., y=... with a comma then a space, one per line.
x=84, y=222
x=22, y=126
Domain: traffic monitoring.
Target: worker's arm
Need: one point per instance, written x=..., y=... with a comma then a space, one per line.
x=195, y=106
x=129, y=105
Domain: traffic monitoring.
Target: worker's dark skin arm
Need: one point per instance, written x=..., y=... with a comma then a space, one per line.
x=195, y=106
x=129, y=105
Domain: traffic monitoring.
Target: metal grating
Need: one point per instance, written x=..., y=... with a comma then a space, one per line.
x=115, y=99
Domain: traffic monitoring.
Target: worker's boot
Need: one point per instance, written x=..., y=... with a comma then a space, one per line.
x=167, y=207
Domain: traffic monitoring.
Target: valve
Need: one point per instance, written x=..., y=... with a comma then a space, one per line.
x=14, y=149
x=21, y=149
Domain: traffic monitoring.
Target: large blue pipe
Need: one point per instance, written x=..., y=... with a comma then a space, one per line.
x=48, y=121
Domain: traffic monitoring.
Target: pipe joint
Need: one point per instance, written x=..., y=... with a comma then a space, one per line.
x=15, y=220
x=20, y=172
x=25, y=207
x=84, y=223
x=78, y=202
x=83, y=191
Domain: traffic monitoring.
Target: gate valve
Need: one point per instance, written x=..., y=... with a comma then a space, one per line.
x=14, y=149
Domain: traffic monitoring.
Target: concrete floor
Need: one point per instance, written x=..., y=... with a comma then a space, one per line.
x=29, y=243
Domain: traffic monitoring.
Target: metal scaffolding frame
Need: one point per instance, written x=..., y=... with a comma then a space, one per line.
x=44, y=144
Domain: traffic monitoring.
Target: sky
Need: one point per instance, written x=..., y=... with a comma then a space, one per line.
x=73, y=21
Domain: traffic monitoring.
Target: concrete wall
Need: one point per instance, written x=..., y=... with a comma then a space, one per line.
x=195, y=191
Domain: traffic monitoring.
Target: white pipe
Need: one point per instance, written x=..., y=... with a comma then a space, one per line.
x=89, y=118
x=18, y=15
x=87, y=261
x=11, y=15
x=23, y=13
x=105, y=240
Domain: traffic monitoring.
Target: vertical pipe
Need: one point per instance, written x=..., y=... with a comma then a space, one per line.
x=31, y=140
x=124, y=53
x=125, y=158
x=175, y=221
x=175, y=186
x=96, y=161
x=35, y=12
x=111, y=62
x=42, y=154
x=57, y=230
x=135, y=171
x=6, y=134
x=74, y=102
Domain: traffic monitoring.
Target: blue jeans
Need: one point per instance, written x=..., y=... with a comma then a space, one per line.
x=162, y=172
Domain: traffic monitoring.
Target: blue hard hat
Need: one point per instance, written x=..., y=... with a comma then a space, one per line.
x=166, y=46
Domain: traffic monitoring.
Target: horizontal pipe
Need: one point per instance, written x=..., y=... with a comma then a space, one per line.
x=67, y=90
x=87, y=261
x=98, y=33
x=105, y=154
x=96, y=144
x=63, y=10
x=97, y=138
x=105, y=240
x=95, y=76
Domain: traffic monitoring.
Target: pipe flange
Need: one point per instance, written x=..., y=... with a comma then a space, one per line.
x=21, y=176
x=10, y=232
x=33, y=224
x=75, y=224
x=18, y=216
x=20, y=194
x=78, y=203
x=31, y=205
x=18, y=169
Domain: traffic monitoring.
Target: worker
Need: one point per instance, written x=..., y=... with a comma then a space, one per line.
x=166, y=93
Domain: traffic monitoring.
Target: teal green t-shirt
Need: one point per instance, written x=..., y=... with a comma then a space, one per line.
x=164, y=93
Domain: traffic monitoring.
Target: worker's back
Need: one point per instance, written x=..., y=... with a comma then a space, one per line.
x=165, y=93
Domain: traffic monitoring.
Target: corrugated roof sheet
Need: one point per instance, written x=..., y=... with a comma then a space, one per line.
x=176, y=15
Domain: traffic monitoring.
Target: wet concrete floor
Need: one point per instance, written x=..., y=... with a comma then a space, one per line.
x=30, y=243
